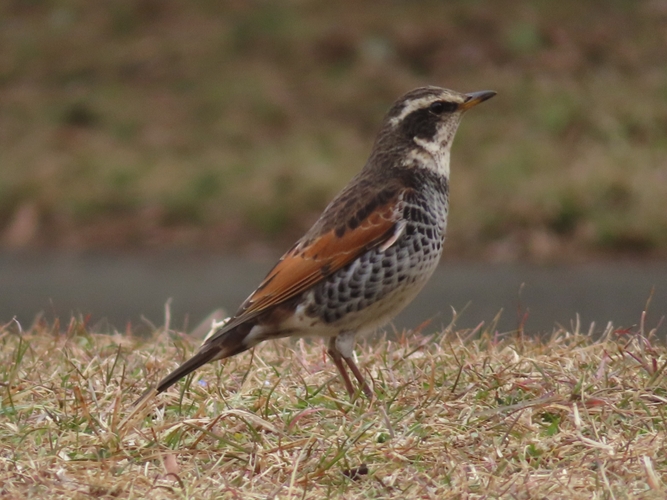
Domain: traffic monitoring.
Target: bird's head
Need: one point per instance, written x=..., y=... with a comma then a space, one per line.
x=422, y=124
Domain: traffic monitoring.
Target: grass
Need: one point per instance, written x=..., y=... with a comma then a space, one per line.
x=464, y=414
x=215, y=125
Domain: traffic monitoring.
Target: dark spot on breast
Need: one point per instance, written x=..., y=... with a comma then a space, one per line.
x=329, y=317
x=340, y=231
x=353, y=223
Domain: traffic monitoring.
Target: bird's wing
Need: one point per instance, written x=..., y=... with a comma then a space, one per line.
x=314, y=259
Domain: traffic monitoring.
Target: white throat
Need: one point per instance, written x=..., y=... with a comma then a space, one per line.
x=433, y=154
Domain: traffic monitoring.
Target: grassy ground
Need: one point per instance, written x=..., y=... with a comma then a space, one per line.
x=144, y=124
x=466, y=414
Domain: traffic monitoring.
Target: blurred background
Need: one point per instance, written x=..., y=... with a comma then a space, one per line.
x=153, y=148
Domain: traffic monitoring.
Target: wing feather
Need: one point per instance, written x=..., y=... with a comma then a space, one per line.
x=313, y=259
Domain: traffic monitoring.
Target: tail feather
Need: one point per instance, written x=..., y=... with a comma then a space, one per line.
x=204, y=355
x=223, y=345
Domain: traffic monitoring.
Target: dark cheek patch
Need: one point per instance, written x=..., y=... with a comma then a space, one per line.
x=420, y=123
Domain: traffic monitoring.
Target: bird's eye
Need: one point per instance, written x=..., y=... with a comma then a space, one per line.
x=440, y=107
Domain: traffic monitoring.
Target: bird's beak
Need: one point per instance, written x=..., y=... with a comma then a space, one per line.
x=474, y=98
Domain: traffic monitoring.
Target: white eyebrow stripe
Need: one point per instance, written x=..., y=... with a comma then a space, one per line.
x=410, y=107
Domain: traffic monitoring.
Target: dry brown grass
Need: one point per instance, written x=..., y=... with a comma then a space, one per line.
x=466, y=414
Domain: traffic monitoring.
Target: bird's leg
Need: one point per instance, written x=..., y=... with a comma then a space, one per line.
x=341, y=348
x=360, y=378
x=338, y=361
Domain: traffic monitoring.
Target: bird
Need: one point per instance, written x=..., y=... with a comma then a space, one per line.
x=368, y=255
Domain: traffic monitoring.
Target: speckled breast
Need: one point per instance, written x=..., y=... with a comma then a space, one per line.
x=380, y=283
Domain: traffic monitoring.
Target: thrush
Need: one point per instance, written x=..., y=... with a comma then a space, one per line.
x=370, y=252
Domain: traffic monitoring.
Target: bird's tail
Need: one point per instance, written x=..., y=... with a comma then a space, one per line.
x=222, y=345
x=205, y=354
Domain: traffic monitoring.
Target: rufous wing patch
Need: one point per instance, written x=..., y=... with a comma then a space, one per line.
x=306, y=265
x=313, y=259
